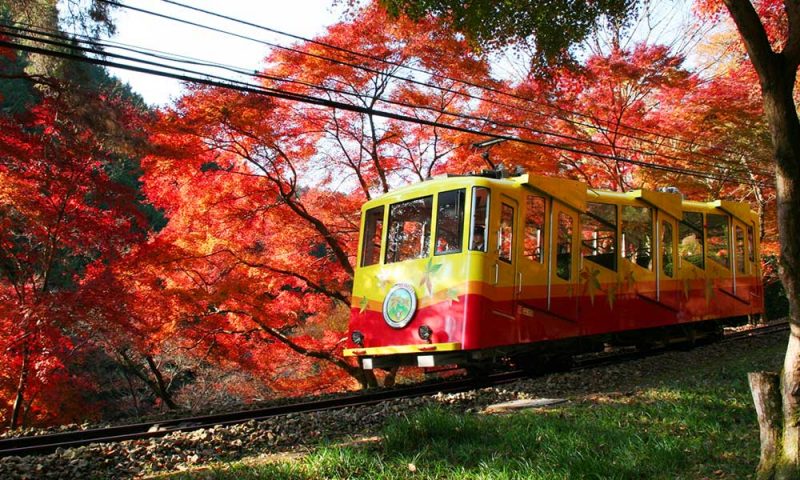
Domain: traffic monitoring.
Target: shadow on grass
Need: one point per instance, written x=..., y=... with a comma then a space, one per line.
x=658, y=434
x=691, y=424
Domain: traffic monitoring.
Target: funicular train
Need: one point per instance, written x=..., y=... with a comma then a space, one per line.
x=464, y=269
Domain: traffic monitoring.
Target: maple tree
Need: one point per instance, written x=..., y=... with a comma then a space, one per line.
x=61, y=209
x=264, y=195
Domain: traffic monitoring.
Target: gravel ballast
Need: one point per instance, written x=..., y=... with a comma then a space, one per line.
x=298, y=432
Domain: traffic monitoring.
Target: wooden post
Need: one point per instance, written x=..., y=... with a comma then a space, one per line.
x=765, y=387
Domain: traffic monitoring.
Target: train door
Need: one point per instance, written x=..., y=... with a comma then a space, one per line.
x=742, y=267
x=532, y=266
x=502, y=261
x=638, y=270
x=668, y=288
x=562, y=290
x=719, y=265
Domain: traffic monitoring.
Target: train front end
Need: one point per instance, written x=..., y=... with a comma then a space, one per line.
x=414, y=292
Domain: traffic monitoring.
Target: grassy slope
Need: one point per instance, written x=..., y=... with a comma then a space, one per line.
x=697, y=423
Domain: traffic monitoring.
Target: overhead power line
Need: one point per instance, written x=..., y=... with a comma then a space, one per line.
x=438, y=75
x=215, y=81
x=101, y=46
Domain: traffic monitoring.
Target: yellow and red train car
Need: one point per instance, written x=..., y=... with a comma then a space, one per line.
x=457, y=269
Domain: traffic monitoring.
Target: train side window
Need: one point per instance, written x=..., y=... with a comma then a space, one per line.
x=373, y=230
x=718, y=241
x=740, y=250
x=666, y=253
x=690, y=231
x=564, y=247
x=751, y=246
x=534, y=228
x=450, y=222
x=599, y=234
x=637, y=235
x=505, y=238
x=480, y=219
x=409, y=233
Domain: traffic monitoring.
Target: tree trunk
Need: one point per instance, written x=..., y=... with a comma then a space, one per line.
x=781, y=113
x=160, y=386
x=19, y=400
x=765, y=387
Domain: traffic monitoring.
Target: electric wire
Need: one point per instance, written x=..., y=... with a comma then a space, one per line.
x=170, y=57
x=214, y=81
x=418, y=82
x=435, y=74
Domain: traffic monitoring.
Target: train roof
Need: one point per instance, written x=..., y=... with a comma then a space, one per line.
x=572, y=192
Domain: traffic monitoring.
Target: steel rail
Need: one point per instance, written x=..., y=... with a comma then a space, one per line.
x=49, y=443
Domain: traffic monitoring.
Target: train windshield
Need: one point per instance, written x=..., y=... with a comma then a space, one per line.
x=409, y=233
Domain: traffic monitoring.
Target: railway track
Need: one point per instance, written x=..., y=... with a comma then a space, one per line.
x=43, y=444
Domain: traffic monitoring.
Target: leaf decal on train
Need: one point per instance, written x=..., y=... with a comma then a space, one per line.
x=381, y=279
x=363, y=304
x=630, y=281
x=612, y=295
x=592, y=282
x=430, y=270
x=452, y=294
x=709, y=290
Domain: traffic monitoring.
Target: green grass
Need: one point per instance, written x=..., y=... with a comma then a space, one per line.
x=696, y=424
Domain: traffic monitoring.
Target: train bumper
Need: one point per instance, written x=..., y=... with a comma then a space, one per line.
x=401, y=349
x=421, y=355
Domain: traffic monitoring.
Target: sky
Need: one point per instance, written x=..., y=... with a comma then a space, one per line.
x=306, y=18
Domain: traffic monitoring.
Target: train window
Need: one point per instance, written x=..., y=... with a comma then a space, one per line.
x=740, y=250
x=373, y=229
x=564, y=250
x=409, y=230
x=505, y=237
x=599, y=234
x=637, y=235
x=751, y=246
x=480, y=219
x=450, y=222
x=667, y=246
x=690, y=231
x=718, y=243
x=534, y=228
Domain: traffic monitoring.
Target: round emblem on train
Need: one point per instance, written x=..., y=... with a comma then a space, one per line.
x=399, y=305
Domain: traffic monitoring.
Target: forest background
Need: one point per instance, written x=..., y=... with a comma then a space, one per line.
x=201, y=254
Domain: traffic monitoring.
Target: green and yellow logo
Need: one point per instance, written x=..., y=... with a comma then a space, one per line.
x=399, y=305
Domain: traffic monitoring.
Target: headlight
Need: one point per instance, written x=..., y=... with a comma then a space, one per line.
x=425, y=332
x=357, y=338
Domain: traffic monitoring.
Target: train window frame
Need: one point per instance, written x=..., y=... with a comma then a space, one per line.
x=667, y=249
x=425, y=250
x=369, y=239
x=565, y=237
x=610, y=250
x=751, y=246
x=473, y=224
x=625, y=229
x=505, y=234
x=719, y=252
x=457, y=235
x=740, y=249
x=533, y=237
x=684, y=225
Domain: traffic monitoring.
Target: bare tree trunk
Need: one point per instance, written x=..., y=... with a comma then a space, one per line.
x=19, y=400
x=777, y=72
x=765, y=387
x=161, y=387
